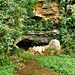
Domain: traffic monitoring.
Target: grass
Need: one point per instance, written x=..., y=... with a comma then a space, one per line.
x=65, y=64
x=27, y=56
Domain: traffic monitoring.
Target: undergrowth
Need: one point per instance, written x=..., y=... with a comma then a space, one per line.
x=16, y=19
x=6, y=66
x=27, y=56
x=65, y=64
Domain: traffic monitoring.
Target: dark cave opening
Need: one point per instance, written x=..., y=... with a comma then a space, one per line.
x=25, y=44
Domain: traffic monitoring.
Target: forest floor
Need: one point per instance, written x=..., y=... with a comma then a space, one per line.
x=31, y=67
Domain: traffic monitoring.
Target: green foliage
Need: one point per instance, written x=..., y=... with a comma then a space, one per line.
x=12, y=13
x=18, y=15
x=67, y=26
x=61, y=63
x=7, y=70
x=51, y=50
x=4, y=61
x=30, y=4
x=7, y=37
x=68, y=43
x=40, y=27
x=16, y=18
x=15, y=50
x=48, y=2
x=36, y=25
x=67, y=32
x=6, y=67
x=27, y=56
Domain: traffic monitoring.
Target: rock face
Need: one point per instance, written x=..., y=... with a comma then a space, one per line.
x=48, y=10
x=46, y=50
x=39, y=38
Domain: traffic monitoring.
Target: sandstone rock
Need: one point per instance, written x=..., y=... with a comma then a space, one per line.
x=45, y=47
x=54, y=4
x=45, y=6
x=39, y=49
x=52, y=48
x=46, y=12
x=55, y=9
x=43, y=50
x=55, y=44
x=49, y=13
x=55, y=32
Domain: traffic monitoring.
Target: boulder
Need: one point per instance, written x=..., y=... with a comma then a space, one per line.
x=39, y=49
x=48, y=49
x=55, y=44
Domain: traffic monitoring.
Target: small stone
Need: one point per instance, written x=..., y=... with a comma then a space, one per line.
x=45, y=6
x=55, y=32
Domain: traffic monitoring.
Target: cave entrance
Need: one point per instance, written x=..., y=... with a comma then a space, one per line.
x=26, y=43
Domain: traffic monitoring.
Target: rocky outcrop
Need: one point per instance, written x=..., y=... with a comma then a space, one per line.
x=48, y=10
x=46, y=50
x=38, y=38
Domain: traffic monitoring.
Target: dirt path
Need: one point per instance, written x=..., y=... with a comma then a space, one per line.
x=32, y=67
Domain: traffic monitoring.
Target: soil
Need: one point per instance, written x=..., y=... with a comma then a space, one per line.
x=32, y=67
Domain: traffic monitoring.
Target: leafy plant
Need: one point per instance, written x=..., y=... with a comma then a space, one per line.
x=51, y=51
x=27, y=56
x=7, y=37
x=67, y=29
x=7, y=70
x=6, y=66
x=64, y=64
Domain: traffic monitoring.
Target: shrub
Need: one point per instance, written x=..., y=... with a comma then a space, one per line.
x=6, y=66
x=67, y=27
x=7, y=38
x=7, y=70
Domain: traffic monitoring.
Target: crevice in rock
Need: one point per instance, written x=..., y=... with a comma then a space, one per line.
x=26, y=43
